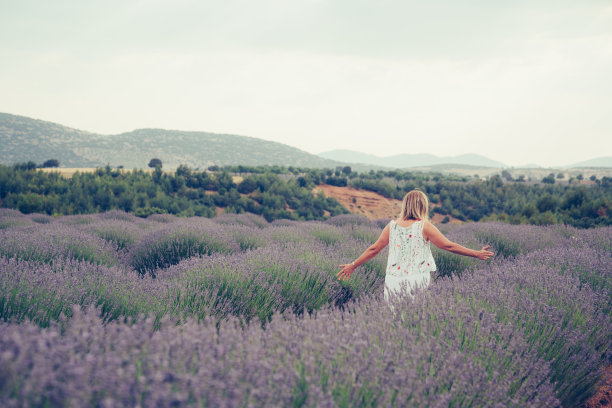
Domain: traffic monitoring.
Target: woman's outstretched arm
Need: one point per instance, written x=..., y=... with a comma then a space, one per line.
x=431, y=233
x=368, y=254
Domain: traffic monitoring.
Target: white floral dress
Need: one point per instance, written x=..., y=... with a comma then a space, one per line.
x=410, y=261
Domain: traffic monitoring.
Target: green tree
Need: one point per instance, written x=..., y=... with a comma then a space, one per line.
x=50, y=163
x=247, y=185
x=155, y=163
x=547, y=203
x=550, y=179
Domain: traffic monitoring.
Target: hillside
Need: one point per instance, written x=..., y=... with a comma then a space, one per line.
x=370, y=204
x=25, y=139
x=596, y=162
x=410, y=160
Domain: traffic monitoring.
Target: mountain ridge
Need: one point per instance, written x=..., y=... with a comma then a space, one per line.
x=603, y=161
x=407, y=160
x=27, y=139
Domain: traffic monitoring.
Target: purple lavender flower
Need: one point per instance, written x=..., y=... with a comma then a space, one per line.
x=242, y=312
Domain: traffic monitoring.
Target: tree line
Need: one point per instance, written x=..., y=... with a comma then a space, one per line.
x=286, y=192
x=184, y=192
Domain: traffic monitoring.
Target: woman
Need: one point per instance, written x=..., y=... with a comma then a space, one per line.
x=410, y=261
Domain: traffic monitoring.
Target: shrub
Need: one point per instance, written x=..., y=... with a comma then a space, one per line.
x=52, y=242
x=180, y=240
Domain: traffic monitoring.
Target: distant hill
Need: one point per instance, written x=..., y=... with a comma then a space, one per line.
x=529, y=166
x=597, y=162
x=410, y=160
x=24, y=139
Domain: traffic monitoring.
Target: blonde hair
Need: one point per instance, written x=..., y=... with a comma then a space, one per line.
x=415, y=206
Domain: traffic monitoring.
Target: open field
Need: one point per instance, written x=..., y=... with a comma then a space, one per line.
x=534, y=174
x=530, y=173
x=69, y=171
x=114, y=310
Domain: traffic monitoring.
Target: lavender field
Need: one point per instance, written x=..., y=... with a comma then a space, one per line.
x=112, y=310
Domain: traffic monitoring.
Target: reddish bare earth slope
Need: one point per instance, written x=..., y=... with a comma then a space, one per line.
x=369, y=204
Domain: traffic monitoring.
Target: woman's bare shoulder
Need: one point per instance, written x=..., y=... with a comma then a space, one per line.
x=428, y=226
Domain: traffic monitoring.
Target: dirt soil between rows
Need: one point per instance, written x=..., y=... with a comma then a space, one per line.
x=603, y=395
x=369, y=204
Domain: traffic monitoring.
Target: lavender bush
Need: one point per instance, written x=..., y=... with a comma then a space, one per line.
x=260, y=282
x=51, y=242
x=113, y=310
x=42, y=292
x=41, y=218
x=120, y=233
x=10, y=218
x=180, y=240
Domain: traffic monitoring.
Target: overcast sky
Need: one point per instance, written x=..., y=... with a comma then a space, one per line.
x=517, y=81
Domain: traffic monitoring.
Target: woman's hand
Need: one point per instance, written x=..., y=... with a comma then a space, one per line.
x=368, y=254
x=346, y=271
x=484, y=254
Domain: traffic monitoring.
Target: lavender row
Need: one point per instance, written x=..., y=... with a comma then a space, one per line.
x=366, y=356
x=275, y=278
x=248, y=284
x=516, y=324
x=545, y=302
x=124, y=229
x=565, y=321
x=43, y=292
x=50, y=243
x=292, y=250
x=498, y=332
x=299, y=261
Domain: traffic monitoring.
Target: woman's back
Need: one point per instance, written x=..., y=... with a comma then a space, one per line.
x=409, y=252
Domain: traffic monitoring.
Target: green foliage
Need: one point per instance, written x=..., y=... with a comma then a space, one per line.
x=550, y=179
x=155, y=163
x=184, y=193
x=547, y=203
x=286, y=192
x=515, y=202
x=51, y=163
